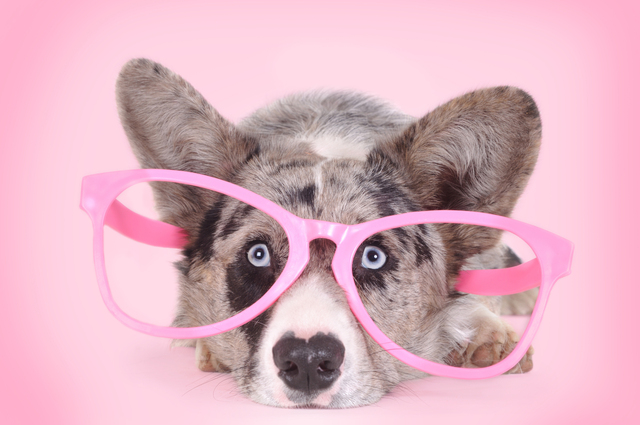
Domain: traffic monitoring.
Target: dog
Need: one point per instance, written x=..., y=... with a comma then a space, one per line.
x=341, y=157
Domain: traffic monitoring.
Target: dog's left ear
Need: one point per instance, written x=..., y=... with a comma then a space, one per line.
x=474, y=153
x=170, y=125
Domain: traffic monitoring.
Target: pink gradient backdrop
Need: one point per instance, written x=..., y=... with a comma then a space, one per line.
x=66, y=360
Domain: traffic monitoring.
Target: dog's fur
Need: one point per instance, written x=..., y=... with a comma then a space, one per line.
x=348, y=158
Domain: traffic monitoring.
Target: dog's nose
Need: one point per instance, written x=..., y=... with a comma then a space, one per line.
x=308, y=365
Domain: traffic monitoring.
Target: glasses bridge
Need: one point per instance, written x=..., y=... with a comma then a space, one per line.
x=317, y=229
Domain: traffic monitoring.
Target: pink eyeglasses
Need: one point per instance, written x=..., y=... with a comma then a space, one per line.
x=552, y=259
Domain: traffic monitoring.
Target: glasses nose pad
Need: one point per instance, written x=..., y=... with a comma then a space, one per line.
x=321, y=252
x=341, y=267
x=322, y=258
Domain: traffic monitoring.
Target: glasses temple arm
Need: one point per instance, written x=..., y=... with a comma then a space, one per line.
x=143, y=229
x=500, y=281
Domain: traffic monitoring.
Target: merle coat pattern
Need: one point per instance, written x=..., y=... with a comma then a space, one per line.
x=348, y=158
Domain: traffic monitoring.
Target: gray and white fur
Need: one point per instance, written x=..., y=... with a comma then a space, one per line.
x=341, y=157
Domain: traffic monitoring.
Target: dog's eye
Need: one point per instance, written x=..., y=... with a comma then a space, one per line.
x=373, y=258
x=258, y=255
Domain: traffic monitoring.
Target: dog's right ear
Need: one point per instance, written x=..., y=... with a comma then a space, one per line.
x=473, y=153
x=171, y=126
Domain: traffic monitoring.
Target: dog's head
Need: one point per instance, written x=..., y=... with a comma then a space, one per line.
x=473, y=153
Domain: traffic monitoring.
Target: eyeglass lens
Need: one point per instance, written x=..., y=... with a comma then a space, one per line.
x=404, y=276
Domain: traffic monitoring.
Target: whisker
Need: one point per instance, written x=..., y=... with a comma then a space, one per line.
x=214, y=376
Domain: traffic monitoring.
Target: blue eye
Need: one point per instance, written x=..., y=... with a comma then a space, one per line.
x=258, y=255
x=373, y=258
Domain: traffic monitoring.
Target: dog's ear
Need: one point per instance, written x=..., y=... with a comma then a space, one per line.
x=170, y=125
x=474, y=153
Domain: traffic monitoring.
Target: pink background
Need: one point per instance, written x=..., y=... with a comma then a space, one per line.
x=65, y=359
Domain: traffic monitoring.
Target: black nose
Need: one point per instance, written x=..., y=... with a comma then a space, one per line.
x=308, y=365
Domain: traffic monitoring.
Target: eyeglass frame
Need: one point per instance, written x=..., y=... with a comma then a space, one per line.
x=553, y=255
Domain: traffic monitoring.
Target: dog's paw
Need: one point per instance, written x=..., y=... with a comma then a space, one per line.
x=525, y=364
x=494, y=339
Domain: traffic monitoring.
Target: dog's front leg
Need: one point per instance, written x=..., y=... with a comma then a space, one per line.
x=205, y=361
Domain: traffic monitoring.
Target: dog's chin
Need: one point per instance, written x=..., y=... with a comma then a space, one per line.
x=324, y=400
x=315, y=400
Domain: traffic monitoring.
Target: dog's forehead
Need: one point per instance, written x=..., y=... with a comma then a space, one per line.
x=337, y=190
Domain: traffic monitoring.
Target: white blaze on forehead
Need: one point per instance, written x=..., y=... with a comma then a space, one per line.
x=306, y=309
x=337, y=147
x=317, y=171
